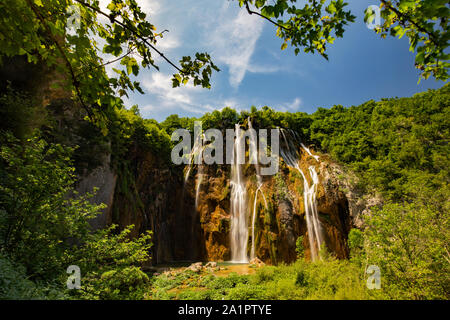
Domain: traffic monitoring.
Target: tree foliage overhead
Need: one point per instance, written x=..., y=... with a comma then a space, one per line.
x=425, y=23
x=313, y=24
x=120, y=33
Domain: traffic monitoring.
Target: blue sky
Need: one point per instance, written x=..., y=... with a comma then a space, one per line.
x=361, y=66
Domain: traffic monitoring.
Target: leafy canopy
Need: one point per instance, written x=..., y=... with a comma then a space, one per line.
x=121, y=33
x=425, y=23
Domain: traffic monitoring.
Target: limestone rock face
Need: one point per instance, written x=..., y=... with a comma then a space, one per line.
x=279, y=223
x=157, y=200
x=104, y=179
x=191, y=225
x=343, y=184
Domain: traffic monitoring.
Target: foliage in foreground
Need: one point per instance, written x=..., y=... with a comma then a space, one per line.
x=328, y=279
x=45, y=228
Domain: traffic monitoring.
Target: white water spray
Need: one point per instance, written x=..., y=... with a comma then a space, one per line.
x=255, y=160
x=239, y=227
x=309, y=195
x=198, y=185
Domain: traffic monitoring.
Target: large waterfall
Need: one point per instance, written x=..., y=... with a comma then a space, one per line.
x=290, y=156
x=239, y=227
x=289, y=150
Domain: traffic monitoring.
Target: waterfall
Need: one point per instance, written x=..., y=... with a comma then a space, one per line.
x=253, y=254
x=239, y=228
x=290, y=157
x=254, y=156
x=309, y=152
x=198, y=185
x=312, y=216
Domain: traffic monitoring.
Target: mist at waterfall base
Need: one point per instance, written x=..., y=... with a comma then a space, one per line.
x=241, y=214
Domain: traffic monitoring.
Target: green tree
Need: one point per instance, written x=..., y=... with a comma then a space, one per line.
x=410, y=244
x=37, y=29
x=317, y=23
x=425, y=23
x=40, y=214
x=110, y=265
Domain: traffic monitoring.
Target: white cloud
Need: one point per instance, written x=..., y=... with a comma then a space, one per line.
x=150, y=7
x=234, y=40
x=168, y=42
x=291, y=106
x=263, y=69
x=185, y=97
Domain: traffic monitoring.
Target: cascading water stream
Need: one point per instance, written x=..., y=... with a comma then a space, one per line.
x=239, y=228
x=196, y=151
x=198, y=185
x=309, y=152
x=254, y=155
x=309, y=194
x=253, y=254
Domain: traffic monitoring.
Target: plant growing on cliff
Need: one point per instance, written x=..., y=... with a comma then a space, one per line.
x=299, y=247
x=282, y=191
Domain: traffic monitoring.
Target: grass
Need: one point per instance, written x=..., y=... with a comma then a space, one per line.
x=328, y=279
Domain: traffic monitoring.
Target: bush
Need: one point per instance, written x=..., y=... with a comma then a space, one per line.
x=409, y=243
x=110, y=265
x=299, y=247
x=247, y=292
x=40, y=215
x=15, y=285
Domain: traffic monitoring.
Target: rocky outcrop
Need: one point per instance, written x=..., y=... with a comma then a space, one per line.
x=344, y=184
x=152, y=195
x=104, y=180
x=278, y=225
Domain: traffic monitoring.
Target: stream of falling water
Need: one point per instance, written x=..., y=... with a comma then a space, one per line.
x=309, y=194
x=255, y=160
x=239, y=227
x=198, y=185
x=196, y=151
x=253, y=254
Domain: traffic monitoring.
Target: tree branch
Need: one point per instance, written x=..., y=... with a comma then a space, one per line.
x=259, y=14
x=75, y=81
x=404, y=18
x=136, y=33
x=130, y=51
